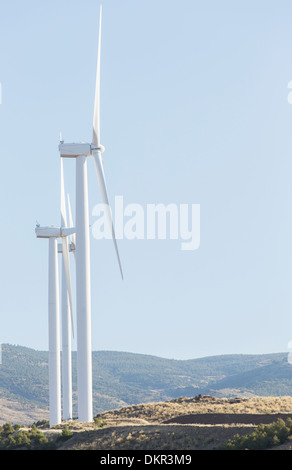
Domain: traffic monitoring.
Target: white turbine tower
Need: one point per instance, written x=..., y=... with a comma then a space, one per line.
x=80, y=151
x=53, y=233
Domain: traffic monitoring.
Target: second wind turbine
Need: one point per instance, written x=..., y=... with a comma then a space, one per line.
x=81, y=151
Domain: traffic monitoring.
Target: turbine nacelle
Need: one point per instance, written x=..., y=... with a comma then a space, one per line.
x=53, y=232
x=75, y=150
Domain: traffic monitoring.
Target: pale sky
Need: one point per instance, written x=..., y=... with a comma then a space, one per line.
x=194, y=110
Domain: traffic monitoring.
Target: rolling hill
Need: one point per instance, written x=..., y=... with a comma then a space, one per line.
x=121, y=379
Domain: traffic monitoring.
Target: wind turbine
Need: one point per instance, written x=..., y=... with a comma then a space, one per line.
x=53, y=234
x=81, y=151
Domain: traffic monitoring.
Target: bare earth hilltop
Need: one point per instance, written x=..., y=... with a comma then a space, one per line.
x=199, y=423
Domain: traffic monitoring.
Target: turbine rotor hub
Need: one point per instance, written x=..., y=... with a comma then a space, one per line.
x=100, y=148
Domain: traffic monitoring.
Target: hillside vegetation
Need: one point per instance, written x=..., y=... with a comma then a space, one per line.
x=144, y=427
x=123, y=379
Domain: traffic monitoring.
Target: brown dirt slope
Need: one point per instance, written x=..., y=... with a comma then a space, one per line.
x=208, y=424
x=12, y=411
x=231, y=418
x=199, y=423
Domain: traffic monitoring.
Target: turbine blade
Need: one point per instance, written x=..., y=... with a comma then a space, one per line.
x=63, y=202
x=68, y=279
x=65, y=244
x=71, y=224
x=103, y=190
x=96, y=117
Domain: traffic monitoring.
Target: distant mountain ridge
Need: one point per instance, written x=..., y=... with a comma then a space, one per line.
x=121, y=379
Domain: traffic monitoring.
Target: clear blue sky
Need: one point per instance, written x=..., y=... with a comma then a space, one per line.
x=194, y=110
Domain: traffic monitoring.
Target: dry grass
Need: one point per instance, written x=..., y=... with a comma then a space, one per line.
x=154, y=437
x=11, y=411
x=161, y=412
x=142, y=427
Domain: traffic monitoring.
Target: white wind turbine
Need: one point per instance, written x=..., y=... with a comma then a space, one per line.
x=53, y=234
x=80, y=151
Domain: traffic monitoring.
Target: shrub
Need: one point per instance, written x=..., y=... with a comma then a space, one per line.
x=21, y=439
x=99, y=422
x=66, y=434
x=12, y=438
x=42, y=422
x=262, y=437
x=7, y=429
